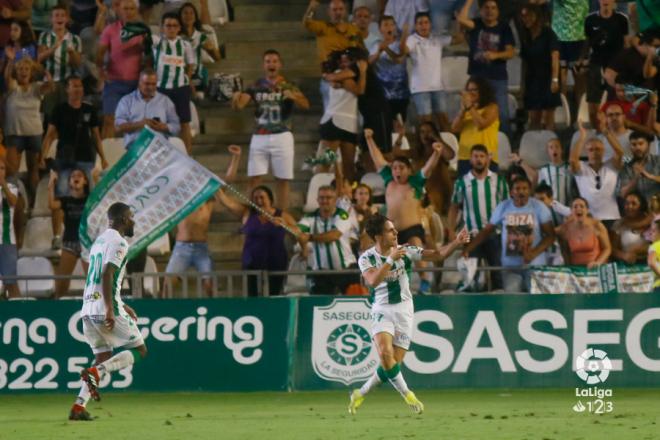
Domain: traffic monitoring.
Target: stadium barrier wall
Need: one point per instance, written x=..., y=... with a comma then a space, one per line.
x=313, y=343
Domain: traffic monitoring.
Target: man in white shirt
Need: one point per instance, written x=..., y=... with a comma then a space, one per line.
x=597, y=178
x=615, y=123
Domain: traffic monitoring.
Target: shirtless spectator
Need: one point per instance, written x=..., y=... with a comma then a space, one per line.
x=191, y=248
x=121, y=72
x=333, y=35
x=403, y=194
x=272, y=144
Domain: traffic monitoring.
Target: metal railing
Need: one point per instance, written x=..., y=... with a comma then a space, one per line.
x=226, y=283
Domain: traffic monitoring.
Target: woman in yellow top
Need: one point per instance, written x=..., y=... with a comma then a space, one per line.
x=653, y=259
x=477, y=123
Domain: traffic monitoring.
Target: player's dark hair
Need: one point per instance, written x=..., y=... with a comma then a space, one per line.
x=479, y=147
x=172, y=15
x=117, y=210
x=61, y=7
x=404, y=160
x=521, y=178
x=271, y=52
x=72, y=77
x=543, y=188
x=421, y=15
x=640, y=135
x=374, y=225
x=385, y=18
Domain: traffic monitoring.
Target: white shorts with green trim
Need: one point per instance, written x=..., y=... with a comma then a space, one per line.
x=395, y=319
x=125, y=334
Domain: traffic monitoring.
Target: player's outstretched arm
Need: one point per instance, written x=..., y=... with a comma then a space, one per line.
x=376, y=155
x=108, y=276
x=445, y=251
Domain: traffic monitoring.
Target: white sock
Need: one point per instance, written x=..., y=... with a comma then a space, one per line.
x=373, y=382
x=117, y=362
x=399, y=383
x=83, y=395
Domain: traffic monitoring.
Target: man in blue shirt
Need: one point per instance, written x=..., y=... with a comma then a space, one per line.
x=527, y=231
x=145, y=107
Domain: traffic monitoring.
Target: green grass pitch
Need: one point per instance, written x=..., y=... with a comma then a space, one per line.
x=450, y=414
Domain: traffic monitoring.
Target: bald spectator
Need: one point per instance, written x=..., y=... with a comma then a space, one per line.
x=333, y=35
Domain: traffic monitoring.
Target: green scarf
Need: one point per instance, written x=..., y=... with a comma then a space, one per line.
x=135, y=29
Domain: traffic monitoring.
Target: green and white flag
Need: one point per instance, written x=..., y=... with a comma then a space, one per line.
x=607, y=278
x=159, y=182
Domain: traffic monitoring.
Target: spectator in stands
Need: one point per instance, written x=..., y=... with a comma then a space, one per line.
x=8, y=249
x=642, y=173
x=21, y=43
x=653, y=259
x=476, y=194
x=639, y=116
x=540, y=51
x=72, y=206
x=491, y=45
x=628, y=64
x=391, y=70
x=327, y=232
x=477, y=123
x=145, y=107
x=613, y=124
x=568, y=24
x=405, y=11
x=584, y=240
x=364, y=209
x=12, y=10
x=106, y=16
x=596, y=178
x=59, y=51
x=272, y=142
x=331, y=36
x=75, y=126
x=555, y=174
x=198, y=38
x=606, y=31
x=404, y=191
x=339, y=123
x=191, y=248
x=174, y=62
x=439, y=184
x=443, y=13
x=527, y=232
x=118, y=63
x=627, y=234
x=39, y=15
x=426, y=86
x=23, y=127
x=558, y=211
x=362, y=19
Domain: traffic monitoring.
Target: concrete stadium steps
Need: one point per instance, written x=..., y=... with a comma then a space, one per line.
x=267, y=32
x=269, y=11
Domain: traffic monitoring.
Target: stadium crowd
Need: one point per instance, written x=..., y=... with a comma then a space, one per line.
x=395, y=137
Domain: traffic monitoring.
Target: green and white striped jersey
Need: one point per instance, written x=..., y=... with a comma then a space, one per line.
x=171, y=58
x=7, y=232
x=559, y=178
x=395, y=288
x=334, y=255
x=58, y=65
x=197, y=40
x=108, y=248
x=479, y=198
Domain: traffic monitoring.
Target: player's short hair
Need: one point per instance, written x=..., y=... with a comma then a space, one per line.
x=271, y=52
x=375, y=224
x=61, y=7
x=147, y=71
x=117, y=210
x=543, y=188
x=479, y=147
x=521, y=178
x=170, y=16
x=421, y=15
x=404, y=160
x=72, y=77
x=640, y=135
x=327, y=188
x=385, y=18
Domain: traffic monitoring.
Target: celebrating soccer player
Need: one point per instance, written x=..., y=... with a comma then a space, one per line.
x=107, y=322
x=387, y=268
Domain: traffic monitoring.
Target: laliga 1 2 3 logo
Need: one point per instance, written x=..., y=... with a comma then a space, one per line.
x=593, y=367
x=342, y=350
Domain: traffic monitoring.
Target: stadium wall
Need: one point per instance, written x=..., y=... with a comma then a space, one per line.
x=314, y=343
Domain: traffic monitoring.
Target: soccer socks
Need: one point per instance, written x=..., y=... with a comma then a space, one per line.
x=117, y=362
x=379, y=377
x=396, y=379
x=83, y=395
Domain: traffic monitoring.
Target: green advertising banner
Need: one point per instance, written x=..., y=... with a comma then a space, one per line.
x=209, y=345
x=485, y=340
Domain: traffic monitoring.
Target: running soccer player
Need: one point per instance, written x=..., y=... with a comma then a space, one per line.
x=387, y=268
x=272, y=141
x=108, y=323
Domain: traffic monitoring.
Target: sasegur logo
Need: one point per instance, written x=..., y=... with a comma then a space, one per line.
x=349, y=344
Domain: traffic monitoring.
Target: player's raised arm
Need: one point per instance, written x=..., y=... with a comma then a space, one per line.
x=374, y=151
x=445, y=251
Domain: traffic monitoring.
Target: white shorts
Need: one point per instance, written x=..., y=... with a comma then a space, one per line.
x=395, y=319
x=125, y=334
x=273, y=149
